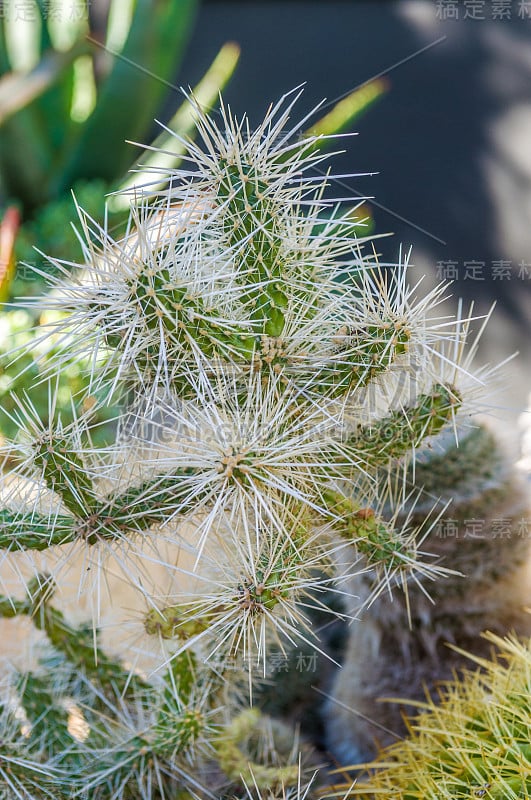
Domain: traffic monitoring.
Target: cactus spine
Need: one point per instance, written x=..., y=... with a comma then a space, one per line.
x=473, y=743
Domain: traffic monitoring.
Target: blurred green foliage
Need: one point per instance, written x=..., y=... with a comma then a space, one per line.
x=52, y=230
x=23, y=374
x=93, y=82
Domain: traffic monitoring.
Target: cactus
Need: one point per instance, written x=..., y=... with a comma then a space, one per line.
x=400, y=649
x=50, y=230
x=473, y=743
x=265, y=373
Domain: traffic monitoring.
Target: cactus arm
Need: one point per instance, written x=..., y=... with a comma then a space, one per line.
x=363, y=356
x=64, y=473
x=251, y=227
x=48, y=719
x=186, y=322
x=403, y=430
x=135, y=510
x=375, y=538
x=33, y=532
x=76, y=644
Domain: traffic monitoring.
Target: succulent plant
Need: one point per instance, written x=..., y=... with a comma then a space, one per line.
x=265, y=372
x=399, y=646
x=472, y=742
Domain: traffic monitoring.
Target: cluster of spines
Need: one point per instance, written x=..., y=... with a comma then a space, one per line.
x=137, y=508
x=228, y=267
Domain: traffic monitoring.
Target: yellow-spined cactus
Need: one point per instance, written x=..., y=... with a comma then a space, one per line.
x=475, y=742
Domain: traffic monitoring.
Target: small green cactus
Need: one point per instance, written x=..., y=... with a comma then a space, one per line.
x=265, y=372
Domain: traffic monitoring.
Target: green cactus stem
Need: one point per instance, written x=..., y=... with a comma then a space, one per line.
x=77, y=644
x=399, y=646
x=403, y=430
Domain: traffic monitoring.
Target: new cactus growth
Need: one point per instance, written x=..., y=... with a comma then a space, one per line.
x=261, y=398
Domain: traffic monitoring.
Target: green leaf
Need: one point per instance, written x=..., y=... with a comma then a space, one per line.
x=24, y=160
x=17, y=90
x=26, y=151
x=348, y=109
x=132, y=93
x=5, y=64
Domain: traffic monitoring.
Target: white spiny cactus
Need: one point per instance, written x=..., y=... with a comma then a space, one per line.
x=267, y=370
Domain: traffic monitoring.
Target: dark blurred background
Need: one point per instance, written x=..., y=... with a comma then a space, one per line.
x=450, y=140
